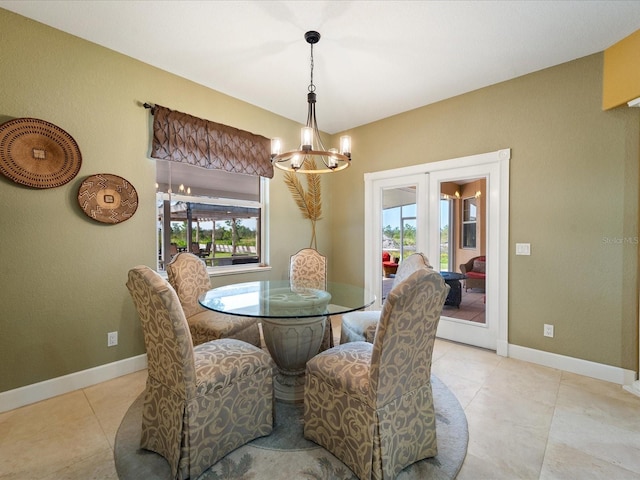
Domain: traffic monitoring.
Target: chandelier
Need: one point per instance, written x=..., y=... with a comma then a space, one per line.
x=311, y=148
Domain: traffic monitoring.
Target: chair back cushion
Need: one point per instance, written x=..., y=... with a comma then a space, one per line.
x=479, y=264
x=409, y=265
x=188, y=276
x=170, y=357
x=403, y=345
x=308, y=269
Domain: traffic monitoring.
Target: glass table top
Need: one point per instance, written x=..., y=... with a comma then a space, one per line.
x=277, y=299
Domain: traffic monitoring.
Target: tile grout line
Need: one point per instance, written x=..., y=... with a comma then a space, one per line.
x=95, y=415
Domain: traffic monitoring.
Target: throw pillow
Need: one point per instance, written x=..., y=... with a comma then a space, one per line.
x=479, y=266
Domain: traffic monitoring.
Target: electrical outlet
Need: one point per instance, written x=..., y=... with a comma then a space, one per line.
x=548, y=330
x=112, y=339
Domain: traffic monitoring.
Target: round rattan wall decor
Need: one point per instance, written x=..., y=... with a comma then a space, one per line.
x=107, y=198
x=37, y=153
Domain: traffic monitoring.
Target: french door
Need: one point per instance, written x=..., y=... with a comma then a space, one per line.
x=422, y=184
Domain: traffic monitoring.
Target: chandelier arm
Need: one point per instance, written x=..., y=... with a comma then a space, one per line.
x=320, y=171
x=311, y=115
x=314, y=125
x=286, y=156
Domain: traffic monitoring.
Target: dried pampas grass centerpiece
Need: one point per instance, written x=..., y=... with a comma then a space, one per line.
x=309, y=202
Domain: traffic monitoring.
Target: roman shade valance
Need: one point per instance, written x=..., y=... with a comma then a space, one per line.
x=180, y=137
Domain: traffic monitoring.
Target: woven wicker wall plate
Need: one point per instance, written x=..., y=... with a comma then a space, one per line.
x=107, y=198
x=37, y=153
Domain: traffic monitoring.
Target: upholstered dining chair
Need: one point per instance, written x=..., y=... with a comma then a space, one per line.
x=371, y=405
x=361, y=326
x=188, y=276
x=308, y=269
x=195, y=401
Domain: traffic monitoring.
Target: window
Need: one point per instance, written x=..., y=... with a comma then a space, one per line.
x=469, y=215
x=211, y=213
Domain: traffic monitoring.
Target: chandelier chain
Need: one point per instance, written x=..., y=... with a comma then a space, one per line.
x=312, y=87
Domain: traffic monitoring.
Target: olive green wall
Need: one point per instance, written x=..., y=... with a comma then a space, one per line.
x=62, y=286
x=574, y=197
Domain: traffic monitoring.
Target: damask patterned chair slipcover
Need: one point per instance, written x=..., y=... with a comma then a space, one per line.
x=188, y=276
x=200, y=402
x=371, y=405
x=308, y=269
x=361, y=326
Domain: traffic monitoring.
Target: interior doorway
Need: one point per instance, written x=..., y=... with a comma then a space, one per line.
x=427, y=182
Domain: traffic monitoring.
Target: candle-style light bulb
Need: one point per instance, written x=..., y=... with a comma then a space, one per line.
x=276, y=147
x=333, y=160
x=345, y=145
x=306, y=138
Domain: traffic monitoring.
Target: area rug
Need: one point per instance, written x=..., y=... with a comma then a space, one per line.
x=286, y=454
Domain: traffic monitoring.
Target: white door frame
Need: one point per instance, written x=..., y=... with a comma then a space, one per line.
x=498, y=202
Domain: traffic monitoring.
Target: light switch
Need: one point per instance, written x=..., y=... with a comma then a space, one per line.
x=523, y=249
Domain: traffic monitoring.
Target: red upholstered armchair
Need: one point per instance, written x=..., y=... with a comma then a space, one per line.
x=389, y=267
x=474, y=270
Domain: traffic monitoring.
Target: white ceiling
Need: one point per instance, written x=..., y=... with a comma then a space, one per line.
x=375, y=58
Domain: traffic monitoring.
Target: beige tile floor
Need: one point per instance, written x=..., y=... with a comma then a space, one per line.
x=525, y=422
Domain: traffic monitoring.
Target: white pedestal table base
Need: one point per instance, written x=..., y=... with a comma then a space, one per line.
x=292, y=342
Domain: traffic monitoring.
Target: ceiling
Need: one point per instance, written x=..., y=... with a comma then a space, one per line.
x=375, y=58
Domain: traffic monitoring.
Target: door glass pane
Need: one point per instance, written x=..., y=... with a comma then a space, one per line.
x=408, y=236
x=445, y=232
x=398, y=231
x=461, y=210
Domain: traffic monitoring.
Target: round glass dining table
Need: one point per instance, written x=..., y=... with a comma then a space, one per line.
x=293, y=318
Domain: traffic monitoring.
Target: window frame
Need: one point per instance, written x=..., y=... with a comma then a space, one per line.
x=468, y=223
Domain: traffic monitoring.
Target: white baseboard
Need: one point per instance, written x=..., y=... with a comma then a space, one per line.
x=587, y=368
x=57, y=386
x=633, y=388
x=26, y=395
